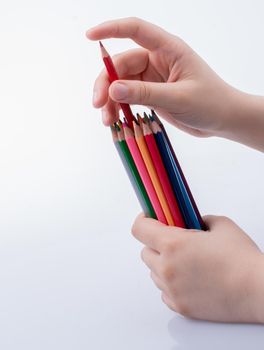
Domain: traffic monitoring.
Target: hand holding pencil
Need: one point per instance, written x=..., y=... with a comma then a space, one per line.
x=161, y=191
x=166, y=74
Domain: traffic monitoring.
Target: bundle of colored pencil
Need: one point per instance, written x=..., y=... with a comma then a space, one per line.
x=152, y=166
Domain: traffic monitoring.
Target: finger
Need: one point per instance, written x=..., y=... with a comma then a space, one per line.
x=214, y=222
x=166, y=299
x=110, y=113
x=158, y=282
x=151, y=233
x=143, y=33
x=150, y=258
x=129, y=63
x=164, y=95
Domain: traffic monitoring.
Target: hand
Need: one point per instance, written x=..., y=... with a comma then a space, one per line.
x=194, y=98
x=167, y=75
x=210, y=275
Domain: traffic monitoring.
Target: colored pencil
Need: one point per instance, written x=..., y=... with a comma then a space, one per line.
x=152, y=172
x=161, y=171
x=112, y=73
x=177, y=164
x=132, y=172
x=183, y=199
x=141, y=167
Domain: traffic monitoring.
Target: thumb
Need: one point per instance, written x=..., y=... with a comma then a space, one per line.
x=164, y=95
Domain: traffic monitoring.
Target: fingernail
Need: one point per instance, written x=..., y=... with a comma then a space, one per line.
x=120, y=91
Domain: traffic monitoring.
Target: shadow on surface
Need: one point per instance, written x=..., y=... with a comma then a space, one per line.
x=191, y=334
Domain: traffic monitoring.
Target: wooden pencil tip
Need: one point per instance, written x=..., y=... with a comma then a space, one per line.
x=155, y=127
x=135, y=125
x=146, y=129
x=128, y=132
x=103, y=50
x=155, y=117
x=138, y=130
x=146, y=119
x=116, y=126
x=151, y=118
x=139, y=120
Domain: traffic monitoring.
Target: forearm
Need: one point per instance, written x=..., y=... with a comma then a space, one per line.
x=245, y=124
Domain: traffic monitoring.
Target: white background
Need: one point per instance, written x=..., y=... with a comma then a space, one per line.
x=70, y=272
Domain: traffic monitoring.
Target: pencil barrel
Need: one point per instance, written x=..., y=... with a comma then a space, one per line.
x=185, y=183
x=135, y=179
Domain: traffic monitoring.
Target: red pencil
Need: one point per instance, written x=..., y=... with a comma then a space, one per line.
x=112, y=77
x=164, y=179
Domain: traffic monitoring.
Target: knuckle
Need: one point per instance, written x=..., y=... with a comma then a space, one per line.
x=169, y=246
x=184, y=97
x=144, y=93
x=134, y=21
x=135, y=25
x=166, y=272
x=116, y=30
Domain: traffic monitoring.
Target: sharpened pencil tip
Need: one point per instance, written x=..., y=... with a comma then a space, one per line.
x=116, y=126
x=146, y=119
x=103, y=50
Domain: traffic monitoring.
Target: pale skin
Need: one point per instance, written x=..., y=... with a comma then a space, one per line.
x=215, y=275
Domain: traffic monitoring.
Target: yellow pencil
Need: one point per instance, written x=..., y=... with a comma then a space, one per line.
x=152, y=172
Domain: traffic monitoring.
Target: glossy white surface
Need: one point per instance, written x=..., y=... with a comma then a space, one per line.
x=70, y=272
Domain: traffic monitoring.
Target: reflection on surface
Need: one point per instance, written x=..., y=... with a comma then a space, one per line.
x=191, y=334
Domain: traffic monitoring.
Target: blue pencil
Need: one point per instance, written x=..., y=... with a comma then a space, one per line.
x=156, y=118
x=185, y=204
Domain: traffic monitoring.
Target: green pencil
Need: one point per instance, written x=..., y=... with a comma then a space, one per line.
x=131, y=169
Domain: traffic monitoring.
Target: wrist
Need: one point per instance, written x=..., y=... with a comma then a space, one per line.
x=244, y=120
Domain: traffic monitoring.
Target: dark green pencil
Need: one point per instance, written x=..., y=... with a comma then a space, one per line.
x=131, y=169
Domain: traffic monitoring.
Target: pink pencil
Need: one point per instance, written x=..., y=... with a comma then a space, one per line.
x=164, y=180
x=133, y=147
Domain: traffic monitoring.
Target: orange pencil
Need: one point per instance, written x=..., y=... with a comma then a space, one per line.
x=162, y=174
x=152, y=173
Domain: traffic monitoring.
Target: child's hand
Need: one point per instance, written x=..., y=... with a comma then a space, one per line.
x=194, y=98
x=211, y=275
x=168, y=75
